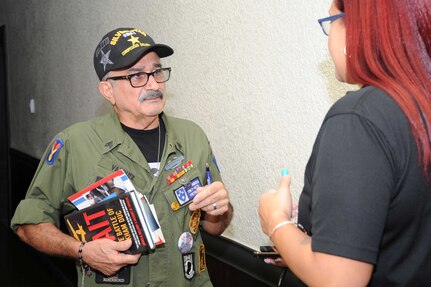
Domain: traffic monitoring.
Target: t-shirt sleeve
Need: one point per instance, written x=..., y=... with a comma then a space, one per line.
x=352, y=183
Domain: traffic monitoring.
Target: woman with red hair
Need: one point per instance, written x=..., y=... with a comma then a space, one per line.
x=366, y=201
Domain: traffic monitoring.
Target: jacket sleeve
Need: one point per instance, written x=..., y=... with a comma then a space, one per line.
x=49, y=188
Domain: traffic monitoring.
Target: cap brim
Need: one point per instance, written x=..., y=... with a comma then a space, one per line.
x=160, y=49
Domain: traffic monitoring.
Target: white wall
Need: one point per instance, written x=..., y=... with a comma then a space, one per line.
x=255, y=75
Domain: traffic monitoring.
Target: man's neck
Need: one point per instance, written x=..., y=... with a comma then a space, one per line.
x=144, y=123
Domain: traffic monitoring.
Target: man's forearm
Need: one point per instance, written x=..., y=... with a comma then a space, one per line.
x=47, y=238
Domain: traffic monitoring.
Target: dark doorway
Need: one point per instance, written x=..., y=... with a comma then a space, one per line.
x=4, y=161
x=5, y=207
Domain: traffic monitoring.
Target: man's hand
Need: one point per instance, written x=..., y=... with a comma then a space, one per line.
x=213, y=199
x=105, y=255
x=102, y=254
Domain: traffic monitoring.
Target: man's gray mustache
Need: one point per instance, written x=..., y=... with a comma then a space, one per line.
x=150, y=95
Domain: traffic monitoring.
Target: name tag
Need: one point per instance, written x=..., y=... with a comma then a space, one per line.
x=121, y=278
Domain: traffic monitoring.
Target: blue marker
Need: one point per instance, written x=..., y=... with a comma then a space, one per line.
x=208, y=174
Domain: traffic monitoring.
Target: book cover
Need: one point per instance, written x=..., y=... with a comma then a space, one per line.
x=117, y=219
x=103, y=189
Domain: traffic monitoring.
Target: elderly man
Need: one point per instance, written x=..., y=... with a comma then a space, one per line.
x=150, y=147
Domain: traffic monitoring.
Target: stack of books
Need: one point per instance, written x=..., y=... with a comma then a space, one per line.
x=112, y=208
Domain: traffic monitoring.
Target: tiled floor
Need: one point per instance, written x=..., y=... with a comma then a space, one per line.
x=23, y=266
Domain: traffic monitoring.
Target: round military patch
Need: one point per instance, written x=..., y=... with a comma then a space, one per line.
x=184, y=180
x=175, y=206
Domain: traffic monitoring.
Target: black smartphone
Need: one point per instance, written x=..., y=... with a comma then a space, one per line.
x=266, y=252
x=267, y=248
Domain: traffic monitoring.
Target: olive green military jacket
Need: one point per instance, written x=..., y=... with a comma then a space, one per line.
x=96, y=148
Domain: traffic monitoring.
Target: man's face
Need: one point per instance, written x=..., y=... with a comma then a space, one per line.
x=130, y=102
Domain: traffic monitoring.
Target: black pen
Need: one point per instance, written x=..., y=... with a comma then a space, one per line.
x=208, y=174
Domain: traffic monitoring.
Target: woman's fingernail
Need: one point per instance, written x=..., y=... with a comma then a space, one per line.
x=269, y=261
x=284, y=172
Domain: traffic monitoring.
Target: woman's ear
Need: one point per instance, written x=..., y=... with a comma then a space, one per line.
x=106, y=90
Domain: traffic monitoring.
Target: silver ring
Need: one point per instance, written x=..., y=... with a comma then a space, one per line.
x=214, y=206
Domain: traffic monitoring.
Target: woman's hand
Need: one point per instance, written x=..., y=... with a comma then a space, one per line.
x=275, y=206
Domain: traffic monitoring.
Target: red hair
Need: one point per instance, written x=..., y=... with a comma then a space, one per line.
x=388, y=46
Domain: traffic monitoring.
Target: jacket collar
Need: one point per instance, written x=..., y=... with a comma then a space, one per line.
x=113, y=134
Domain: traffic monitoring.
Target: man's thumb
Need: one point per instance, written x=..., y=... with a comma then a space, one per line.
x=124, y=245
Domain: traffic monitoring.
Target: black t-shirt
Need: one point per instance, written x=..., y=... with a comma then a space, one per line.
x=365, y=196
x=150, y=142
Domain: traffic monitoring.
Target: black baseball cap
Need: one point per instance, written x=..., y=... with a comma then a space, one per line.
x=123, y=47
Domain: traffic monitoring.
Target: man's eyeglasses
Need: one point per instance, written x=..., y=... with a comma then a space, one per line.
x=140, y=79
x=325, y=23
